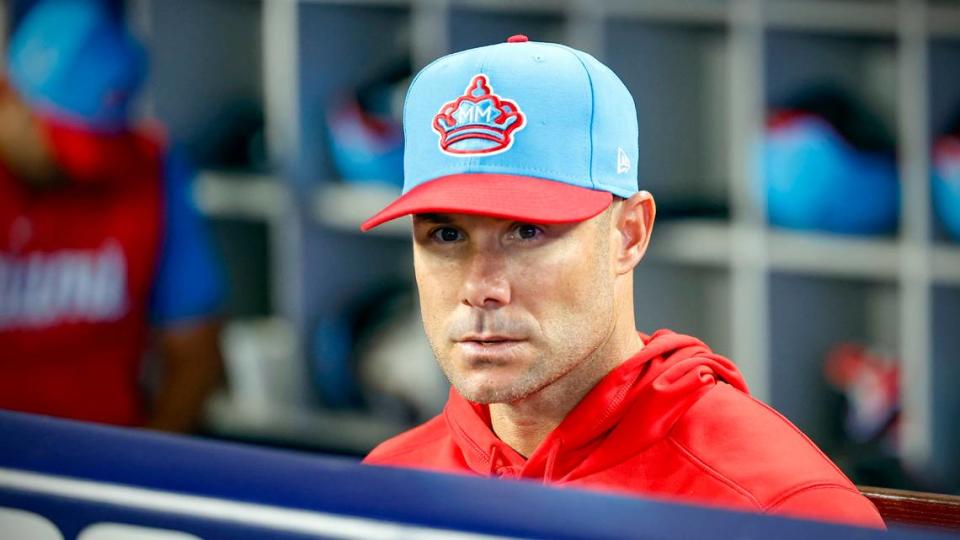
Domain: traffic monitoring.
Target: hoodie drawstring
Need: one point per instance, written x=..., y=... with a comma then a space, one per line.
x=552, y=460
x=494, y=457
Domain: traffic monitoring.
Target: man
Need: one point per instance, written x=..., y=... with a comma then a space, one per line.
x=527, y=226
x=98, y=240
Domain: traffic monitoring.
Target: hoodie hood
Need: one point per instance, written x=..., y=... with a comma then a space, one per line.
x=632, y=407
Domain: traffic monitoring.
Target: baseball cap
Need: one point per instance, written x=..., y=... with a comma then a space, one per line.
x=73, y=60
x=522, y=130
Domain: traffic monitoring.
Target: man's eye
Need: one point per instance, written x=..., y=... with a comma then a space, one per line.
x=446, y=234
x=526, y=231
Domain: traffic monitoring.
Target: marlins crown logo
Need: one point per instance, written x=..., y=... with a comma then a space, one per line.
x=478, y=123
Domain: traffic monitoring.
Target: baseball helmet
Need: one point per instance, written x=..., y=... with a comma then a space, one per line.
x=365, y=136
x=821, y=171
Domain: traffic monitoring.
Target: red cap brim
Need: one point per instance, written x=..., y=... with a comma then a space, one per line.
x=521, y=198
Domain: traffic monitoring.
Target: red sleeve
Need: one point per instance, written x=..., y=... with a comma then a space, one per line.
x=830, y=503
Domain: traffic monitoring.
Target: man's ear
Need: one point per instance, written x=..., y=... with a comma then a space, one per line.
x=634, y=223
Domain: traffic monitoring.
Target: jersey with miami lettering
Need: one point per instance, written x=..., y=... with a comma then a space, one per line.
x=87, y=267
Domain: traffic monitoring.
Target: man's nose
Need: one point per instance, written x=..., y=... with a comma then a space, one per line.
x=486, y=285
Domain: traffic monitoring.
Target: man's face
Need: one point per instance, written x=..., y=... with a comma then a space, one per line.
x=510, y=307
x=23, y=146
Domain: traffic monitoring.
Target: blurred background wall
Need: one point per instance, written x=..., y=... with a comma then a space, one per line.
x=851, y=329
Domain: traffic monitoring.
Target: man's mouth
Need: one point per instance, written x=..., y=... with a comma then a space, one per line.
x=488, y=339
x=487, y=345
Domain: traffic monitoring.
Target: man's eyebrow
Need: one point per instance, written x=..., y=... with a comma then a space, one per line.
x=433, y=218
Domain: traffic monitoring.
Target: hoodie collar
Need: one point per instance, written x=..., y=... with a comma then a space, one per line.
x=631, y=407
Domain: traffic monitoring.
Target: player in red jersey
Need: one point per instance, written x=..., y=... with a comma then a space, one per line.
x=99, y=242
x=527, y=227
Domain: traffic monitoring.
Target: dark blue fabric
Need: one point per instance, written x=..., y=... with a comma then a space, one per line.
x=341, y=486
x=189, y=282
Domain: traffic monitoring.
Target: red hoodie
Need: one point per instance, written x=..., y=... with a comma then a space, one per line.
x=674, y=421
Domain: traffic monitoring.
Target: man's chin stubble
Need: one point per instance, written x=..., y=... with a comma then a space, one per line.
x=489, y=394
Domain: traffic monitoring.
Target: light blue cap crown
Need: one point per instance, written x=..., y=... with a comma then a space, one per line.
x=574, y=120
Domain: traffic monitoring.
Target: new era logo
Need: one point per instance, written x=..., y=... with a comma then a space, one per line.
x=623, y=161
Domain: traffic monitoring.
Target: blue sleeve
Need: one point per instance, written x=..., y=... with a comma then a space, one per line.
x=189, y=282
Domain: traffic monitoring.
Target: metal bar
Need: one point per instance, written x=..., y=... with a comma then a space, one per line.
x=430, y=31
x=585, y=27
x=748, y=263
x=915, y=301
x=281, y=65
x=842, y=17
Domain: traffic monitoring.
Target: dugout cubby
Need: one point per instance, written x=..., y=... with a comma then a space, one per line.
x=678, y=75
x=945, y=372
x=809, y=316
x=859, y=68
x=205, y=81
x=944, y=110
x=336, y=52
